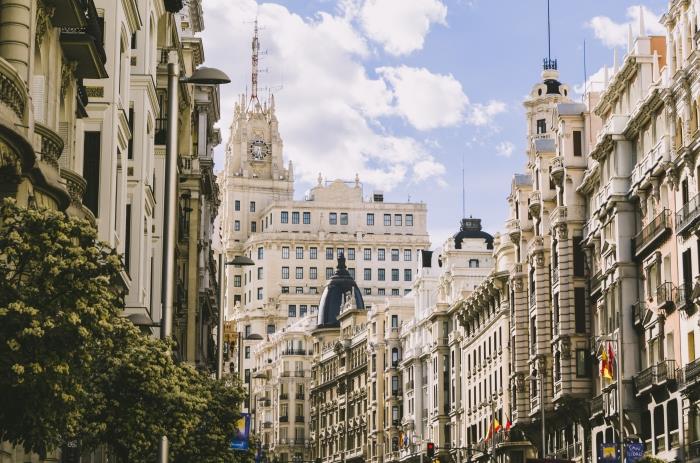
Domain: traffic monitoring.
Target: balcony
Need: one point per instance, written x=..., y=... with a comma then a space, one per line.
x=174, y=6
x=83, y=44
x=267, y=424
x=684, y=297
x=691, y=373
x=13, y=93
x=294, y=352
x=665, y=296
x=284, y=396
x=655, y=157
x=655, y=376
x=513, y=230
x=284, y=419
x=688, y=215
x=535, y=203
x=558, y=215
x=652, y=233
x=299, y=419
x=409, y=385
x=597, y=405
x=299, y=396
x=638, y=310
x=67, y=13
x=557, y=172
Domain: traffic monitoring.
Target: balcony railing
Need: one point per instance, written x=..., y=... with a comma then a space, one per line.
x=691, y=373
x=409, y=385
x=644, y=380
x=652, y=232
x=299, y=419
x=299, y=396
x=687, y=215
x=284, y=419
x=284, y=396
x=665, y=295
x=656, y=375
x=84, y=44
x=597, y=405
x=294, y=352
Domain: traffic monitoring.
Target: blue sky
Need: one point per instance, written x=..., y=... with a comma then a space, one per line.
x=400, y=90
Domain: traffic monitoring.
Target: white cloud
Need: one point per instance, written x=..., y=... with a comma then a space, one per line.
x=614, y=34
x=595, y=81
x=400, y=25
x=505, y=148
x=483, y=114
x=424, y=99
x=329, y=109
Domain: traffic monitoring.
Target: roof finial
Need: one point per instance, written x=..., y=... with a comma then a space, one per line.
x=254, y=68
x=642, y=29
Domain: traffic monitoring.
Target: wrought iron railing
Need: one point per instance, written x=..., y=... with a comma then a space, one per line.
x=688, y=214
x=658, y=226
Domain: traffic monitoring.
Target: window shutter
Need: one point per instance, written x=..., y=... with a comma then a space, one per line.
x=38, y=98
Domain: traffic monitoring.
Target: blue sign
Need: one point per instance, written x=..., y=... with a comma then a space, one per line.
x=240, y=440
x=634, y=451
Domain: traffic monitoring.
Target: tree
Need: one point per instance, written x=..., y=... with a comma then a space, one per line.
x=209, y=442
x=59, y=292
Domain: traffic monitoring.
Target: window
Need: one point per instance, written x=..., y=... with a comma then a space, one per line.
x=313, y=273
x=398, y=219
x=298, y=290
x=313, y=253
x=91, y=171
x=260, y=273
x=406, y=291
x=247, y=331
x=295, y=218
x=381, y=274
x=394, y=274
x=368, y=291
x=381, y=291
x=329, y=272
x=579, y=257
x=578, y=146
x=387, y=220
x=247, y=352
x=407, y=254
x=368, y=274
x=237, y=205
x=237, y=281
x=252, y=206
x=407, y=274
x=302, y=310
x=473, y=263
x=351, y=271
x=261, y=252
x=333, y=218
x=370, y=219
x=307, y=218
x=299, y=273
x=409, y=220
x=285, y=273
x=351, y=253
x=284, y=217
x=367, y=254
x=285, y=252
x=285, y=289
x=270, y=329
x=582, y=364
x=292, y=310
x=299, y=252
x=260, y=294
x=395, y=255
x=395, y=292
x=343, y=218
x=253, y=227
x=237, y=225
x=541, y=126
x=580, y=309
x=340, y=252
x=381, y=254
x=329, y=253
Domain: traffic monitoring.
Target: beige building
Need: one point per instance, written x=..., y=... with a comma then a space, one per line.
x=295, y=242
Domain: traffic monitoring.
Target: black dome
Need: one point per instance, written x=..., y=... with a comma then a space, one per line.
x=471, y=228
x=552, y=86
x=339, y=288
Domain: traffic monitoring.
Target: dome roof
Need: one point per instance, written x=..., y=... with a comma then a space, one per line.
x=470, y=229
x=552, y=86
x=338, y=290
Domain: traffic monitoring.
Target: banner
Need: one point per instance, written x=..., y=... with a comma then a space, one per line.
x=634, y=451
x=608, y=452
x=240, y=440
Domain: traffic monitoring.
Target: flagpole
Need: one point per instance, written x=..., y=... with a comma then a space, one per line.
x=493, y=429
x=620, y=385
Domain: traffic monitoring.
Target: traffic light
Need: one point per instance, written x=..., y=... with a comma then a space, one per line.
x=430, y=449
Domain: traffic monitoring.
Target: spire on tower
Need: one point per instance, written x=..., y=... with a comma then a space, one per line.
x=548, y=62
x=254, y=69
x=642, y=29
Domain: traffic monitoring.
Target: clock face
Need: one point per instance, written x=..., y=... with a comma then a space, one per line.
x=258, y=150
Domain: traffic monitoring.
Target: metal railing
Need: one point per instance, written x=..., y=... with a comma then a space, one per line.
x=294, y=352
x=684, y=295
x=691, y=372
x=688, y=214
x=651, y=231
x=597, y=405
x=284, y=396
x=664, y=293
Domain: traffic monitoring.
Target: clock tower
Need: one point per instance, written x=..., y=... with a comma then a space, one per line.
x=254, y=172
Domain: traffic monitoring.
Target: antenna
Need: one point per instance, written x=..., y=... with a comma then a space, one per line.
x=549, y=63
x=254, y=68
x=464, y=214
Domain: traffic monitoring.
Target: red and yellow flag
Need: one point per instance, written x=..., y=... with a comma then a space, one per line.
x=606, y=362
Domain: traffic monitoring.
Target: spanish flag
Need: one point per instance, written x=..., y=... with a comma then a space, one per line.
x=494, y=428
x=606, y=361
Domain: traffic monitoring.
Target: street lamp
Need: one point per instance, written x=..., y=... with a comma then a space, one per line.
x=238, y=261
x=201, y=76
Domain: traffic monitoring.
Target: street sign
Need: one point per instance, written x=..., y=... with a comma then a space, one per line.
x=240, y=440
x=634, y=451
x=608, y=452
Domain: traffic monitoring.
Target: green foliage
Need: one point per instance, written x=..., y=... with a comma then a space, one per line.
x=73, y=368
x=57, y=298
x=650, y=459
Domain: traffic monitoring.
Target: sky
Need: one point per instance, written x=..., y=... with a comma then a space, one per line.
x=406, y=92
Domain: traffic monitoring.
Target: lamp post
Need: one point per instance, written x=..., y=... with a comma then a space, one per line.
x=202, y=76
x=238, y=261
